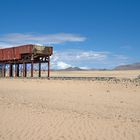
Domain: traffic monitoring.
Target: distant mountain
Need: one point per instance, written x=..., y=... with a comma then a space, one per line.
x=80, y=69
x=135, y=66
x=72, y=69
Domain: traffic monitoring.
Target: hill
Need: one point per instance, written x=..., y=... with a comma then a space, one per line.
x=72, y=69
x=135, y=66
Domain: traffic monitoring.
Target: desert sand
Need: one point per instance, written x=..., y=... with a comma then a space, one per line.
x=112, y=73
x=41, y=109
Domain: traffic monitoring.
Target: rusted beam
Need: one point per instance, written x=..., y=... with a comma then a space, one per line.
x=18, y=53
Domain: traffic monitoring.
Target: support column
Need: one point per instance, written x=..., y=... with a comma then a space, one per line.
x=39, y=70
x=32, y=68
x=16, y=70
x=23, y=69
x=48, y=67
x=10, y=70
x=3, y=70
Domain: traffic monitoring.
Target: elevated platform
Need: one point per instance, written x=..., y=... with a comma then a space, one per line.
x=25, y=54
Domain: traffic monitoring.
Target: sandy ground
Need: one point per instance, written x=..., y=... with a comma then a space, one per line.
x=41, y=109
x=119, y=74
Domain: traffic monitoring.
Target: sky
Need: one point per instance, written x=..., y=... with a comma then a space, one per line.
x=84, y=33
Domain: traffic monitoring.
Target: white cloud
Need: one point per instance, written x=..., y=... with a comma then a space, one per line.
x=62, y=65
x=85, y=68
x=76, y=55
x=72, y=58
x=91, y=55
x=43, y=39
x=58, y=63
x=87, y=59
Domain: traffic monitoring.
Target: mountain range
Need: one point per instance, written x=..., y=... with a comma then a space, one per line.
x=135, y=66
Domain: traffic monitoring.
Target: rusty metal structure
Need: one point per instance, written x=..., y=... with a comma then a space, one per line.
x=23, y=55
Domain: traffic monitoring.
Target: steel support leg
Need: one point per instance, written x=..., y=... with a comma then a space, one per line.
x=39, y=70
x=3, y=70
x=16, y=70
x=24, y=70
x=48, y=67
x=10, y=70
x=32, y=68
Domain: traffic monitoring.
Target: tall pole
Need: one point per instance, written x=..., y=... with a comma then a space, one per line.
x=3, y=70
x=32, y=65
x=23, y=69
x=32, y=68
x=39, y=70
x=17, y=69
x=10, y=70
x=48, y=67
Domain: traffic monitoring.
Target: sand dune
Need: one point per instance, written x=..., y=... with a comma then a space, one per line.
x=39, y=109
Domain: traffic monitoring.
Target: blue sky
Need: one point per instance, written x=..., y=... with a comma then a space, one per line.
x=84, y=33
